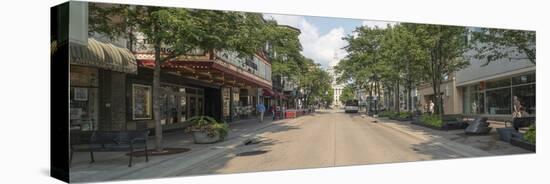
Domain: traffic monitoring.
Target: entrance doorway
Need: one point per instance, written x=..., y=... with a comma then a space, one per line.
x=180, y=103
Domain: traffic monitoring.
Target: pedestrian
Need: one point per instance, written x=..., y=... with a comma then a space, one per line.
x=273, y=111
x=431, y=106
x=261, y=109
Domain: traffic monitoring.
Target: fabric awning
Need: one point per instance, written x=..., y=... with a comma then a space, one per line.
x=268, y=92
x=103, y=55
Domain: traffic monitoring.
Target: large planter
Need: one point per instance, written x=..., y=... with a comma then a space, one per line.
x=505, y=134
x=203, y=138
x=401, y=119
x=523, y=144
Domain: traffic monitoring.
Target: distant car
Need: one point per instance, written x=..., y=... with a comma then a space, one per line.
x=352, y=106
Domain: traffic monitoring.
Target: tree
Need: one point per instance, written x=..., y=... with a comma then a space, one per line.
x=180, y=31
x=314, y=82
x=348, y=93
x=495, y=44
x=445, y=46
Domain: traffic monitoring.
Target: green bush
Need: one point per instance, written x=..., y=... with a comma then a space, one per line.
x=386, y=114
x=530, y=135
x=207, y=124
x=403, y=115
x=432, y=120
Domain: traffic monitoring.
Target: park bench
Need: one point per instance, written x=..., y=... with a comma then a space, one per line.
x=108, y=141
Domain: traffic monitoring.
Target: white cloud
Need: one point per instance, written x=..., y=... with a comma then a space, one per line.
x=379, y=24
x=321, y=48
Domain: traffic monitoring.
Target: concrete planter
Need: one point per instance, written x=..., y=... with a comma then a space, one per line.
x=203, y=138
x=523, y=144
x=505, y=134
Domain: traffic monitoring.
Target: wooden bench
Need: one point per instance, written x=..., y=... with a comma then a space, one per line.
x=108, y=141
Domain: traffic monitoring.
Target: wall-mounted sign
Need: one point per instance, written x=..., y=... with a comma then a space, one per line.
x=81, y=94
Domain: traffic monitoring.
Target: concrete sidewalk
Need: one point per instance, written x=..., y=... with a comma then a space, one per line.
x=114, y=165
x=480, y=145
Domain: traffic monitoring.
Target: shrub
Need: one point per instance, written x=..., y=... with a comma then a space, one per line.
x=432, y=120
x=386, y=114
x=403, y=115
x=207, y=124
x=530, y=135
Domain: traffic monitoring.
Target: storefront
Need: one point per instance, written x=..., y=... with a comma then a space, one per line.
x=180, y=99
x=496, y=97
x=98, y=72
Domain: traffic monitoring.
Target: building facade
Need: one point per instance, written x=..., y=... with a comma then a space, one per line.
x=111, y=85
x=488, y=90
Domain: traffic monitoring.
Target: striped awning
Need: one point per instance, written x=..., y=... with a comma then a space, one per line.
x=103, y=55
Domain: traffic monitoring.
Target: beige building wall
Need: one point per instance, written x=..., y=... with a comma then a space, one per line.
x=452, y=96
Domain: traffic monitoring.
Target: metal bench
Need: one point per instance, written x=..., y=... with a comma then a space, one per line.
x=108, y=141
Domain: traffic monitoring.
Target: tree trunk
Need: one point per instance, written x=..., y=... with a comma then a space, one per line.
x=156, y=98
x=410, y=96
x=397, y=100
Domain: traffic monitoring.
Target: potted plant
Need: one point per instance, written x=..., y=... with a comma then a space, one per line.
x=206, y=129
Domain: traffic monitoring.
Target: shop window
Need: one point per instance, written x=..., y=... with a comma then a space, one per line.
x=499, y=101
x=499, y=83
x=523, y=79
x=473, y=101
x=83, y=108
x=141, y=102
x=526, y=96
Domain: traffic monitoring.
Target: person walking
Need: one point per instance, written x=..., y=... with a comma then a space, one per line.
x=261, y=109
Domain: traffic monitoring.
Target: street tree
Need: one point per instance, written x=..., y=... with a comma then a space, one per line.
x=445, y=46
x=493, y=44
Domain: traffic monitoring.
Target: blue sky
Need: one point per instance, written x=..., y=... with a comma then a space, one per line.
x=321, y=37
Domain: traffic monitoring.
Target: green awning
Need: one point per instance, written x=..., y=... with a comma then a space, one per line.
x=103, y=55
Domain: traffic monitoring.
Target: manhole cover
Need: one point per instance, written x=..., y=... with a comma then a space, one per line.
x=251, y=153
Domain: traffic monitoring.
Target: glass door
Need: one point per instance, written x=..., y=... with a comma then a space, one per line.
x=192, y=106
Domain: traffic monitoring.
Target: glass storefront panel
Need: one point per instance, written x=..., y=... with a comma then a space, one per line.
x=499, y=101
x=183, y=105
x=83, y=108
x=526, y=96
x=473, y=101
x=498, y=83
x=168, y=106
x=523, y=79
x=83, y=104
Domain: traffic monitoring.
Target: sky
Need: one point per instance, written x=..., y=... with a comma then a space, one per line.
x=321, y=37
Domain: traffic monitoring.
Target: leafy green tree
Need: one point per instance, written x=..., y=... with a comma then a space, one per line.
x=348, y=93
x=494, y=44
x=314, y=82
x=445, y=46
